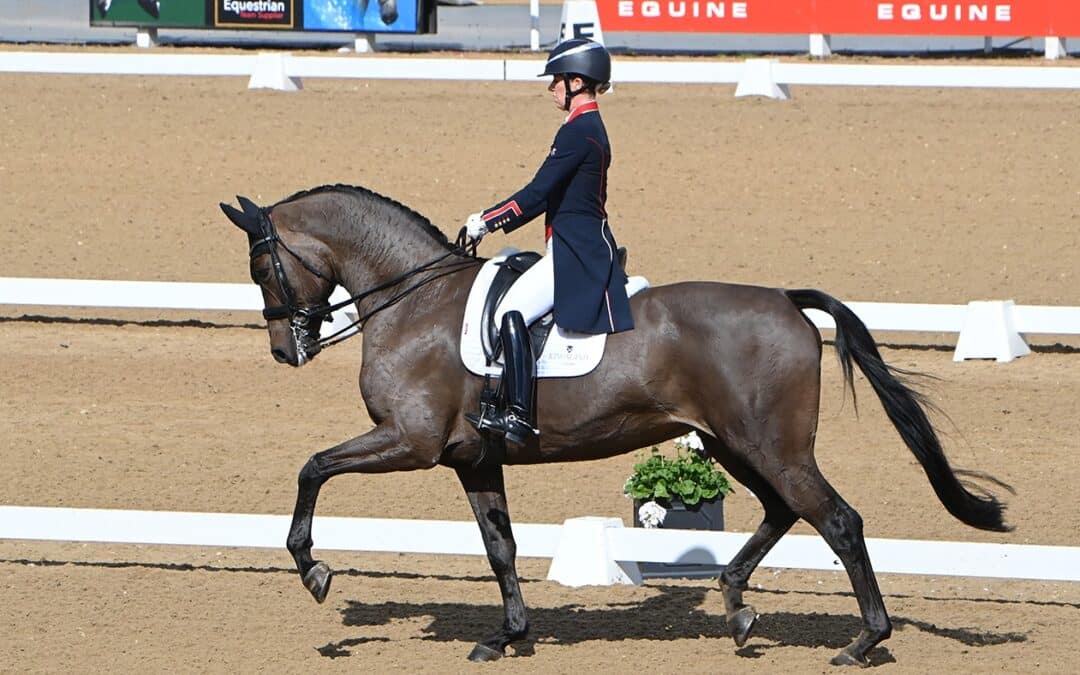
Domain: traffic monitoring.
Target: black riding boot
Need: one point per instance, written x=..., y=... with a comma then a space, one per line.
x=515, y=421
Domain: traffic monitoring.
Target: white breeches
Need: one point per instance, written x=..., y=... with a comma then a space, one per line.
x=533, y=294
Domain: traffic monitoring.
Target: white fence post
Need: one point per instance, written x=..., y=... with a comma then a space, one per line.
x=146, y=37
x=989, y=333
x=820, y=46
x=1055, y=48
x=582, y=557
x=534, y=25
x=270, y=73
x=364, y=43
x=758, y=80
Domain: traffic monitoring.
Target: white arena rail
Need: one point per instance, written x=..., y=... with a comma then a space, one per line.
x=986, y=329
x=766, y=77
x=584, y=551
x=148, y=295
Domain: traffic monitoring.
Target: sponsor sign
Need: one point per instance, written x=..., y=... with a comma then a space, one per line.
x=362, y=16
x=349, y=16
x=255, y=14
x=1007, y=18
x=162, y=13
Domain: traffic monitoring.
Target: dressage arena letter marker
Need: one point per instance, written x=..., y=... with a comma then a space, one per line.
x=989, y=332
x=270, y=73
x=580, y=20
x=758, y=80
x=583, y=559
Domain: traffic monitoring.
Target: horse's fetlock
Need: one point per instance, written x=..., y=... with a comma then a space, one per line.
x=298, y=543
x=518, y=632
x=729, y=581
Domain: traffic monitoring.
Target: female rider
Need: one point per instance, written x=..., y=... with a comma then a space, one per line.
x=580, y=275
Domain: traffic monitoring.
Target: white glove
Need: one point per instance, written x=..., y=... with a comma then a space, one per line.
x=475, y=227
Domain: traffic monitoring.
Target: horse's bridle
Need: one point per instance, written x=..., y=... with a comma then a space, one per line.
x=300, y=317
x=291, y=309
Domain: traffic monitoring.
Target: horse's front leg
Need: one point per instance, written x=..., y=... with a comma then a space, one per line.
x=381, y=450
x=487, y=495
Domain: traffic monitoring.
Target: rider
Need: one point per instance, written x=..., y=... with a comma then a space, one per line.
x=580, y=275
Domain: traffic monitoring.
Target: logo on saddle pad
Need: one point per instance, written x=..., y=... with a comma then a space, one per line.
x=565, y=353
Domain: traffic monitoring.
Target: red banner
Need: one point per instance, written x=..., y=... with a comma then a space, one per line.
x=1005, y=18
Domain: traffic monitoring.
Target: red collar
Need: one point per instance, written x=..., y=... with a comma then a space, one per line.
x=588, y=106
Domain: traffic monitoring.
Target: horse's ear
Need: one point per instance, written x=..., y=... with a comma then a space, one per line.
x=241, y=220
x=250, y=208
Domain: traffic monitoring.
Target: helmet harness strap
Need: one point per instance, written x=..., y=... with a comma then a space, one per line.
x=568, y=94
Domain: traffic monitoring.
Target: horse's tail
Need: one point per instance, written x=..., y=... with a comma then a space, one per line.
x=905, y=407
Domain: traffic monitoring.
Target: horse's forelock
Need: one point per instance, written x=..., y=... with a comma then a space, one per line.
x=365, y=194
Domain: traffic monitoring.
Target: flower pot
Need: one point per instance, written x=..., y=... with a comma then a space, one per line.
x=705, y=515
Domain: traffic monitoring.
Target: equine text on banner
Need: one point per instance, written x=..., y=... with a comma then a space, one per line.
x=850, y=17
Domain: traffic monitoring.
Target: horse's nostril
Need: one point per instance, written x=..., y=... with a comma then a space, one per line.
x=279, y=356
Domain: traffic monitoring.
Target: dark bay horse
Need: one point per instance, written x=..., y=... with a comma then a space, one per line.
x=739, y=364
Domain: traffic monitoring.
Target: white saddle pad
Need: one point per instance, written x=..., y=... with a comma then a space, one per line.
x=566, y=353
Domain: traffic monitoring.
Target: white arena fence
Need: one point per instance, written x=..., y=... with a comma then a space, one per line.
x=985, y=329
x=588, y=550
x=765, y=77
x=583, y=551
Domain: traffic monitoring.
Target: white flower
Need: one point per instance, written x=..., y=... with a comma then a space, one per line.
x=690, y=441
x=651, y=514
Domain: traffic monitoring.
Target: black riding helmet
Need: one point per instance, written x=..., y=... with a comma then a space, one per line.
x=584, y=58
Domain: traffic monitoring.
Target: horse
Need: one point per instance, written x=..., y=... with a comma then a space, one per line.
x=739, y=364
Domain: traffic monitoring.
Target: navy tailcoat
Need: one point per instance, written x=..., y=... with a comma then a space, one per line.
x=571, y=188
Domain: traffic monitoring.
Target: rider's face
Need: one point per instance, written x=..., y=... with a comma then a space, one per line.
x=558, y=91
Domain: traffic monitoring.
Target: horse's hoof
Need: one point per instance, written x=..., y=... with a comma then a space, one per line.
x=481, y=653
x=846, y=658
x=317, y=581
x=741, y=623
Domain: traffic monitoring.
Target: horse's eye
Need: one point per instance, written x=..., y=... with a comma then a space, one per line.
x=261, y=276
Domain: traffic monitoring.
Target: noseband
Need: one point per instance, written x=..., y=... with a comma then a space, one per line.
x=300, y=317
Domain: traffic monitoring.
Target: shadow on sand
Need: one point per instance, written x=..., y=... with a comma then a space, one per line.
x=674, y=614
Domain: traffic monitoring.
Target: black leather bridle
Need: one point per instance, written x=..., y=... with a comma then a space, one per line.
x=300, y=317
x=271, y=242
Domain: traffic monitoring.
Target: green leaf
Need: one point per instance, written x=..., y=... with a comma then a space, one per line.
x=689, y=477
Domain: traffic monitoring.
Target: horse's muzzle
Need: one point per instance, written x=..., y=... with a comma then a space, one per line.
x=281, y=357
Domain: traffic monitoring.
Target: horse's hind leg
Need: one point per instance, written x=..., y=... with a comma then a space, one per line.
x=778, y=520
x=378, y=451
x=487, y=496
x=812, y=498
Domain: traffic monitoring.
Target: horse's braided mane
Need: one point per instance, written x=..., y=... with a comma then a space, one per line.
x=421, y=220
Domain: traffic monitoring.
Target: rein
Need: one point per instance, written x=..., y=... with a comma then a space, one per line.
x=300, y=317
